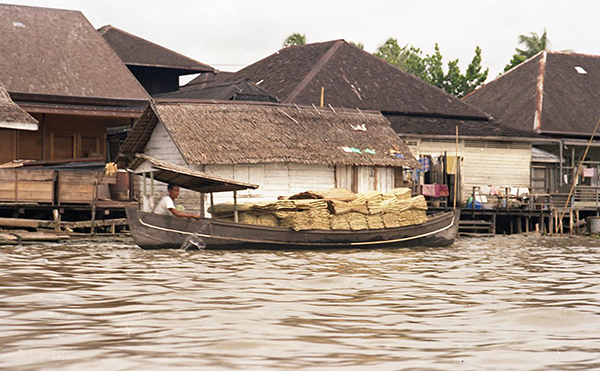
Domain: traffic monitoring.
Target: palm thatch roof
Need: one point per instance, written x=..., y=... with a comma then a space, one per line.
x=220, y=133
x=185, y=177
x=351, y=78
x=53, y=52
x=235, y=90
x=135, y=51
x=554, y=93
x=12, y=116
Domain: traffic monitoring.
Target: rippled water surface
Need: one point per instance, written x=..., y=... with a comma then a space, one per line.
x=495, y=304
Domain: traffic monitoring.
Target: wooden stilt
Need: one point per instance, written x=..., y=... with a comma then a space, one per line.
x=527, y=221
x=494, y=223
x=571, y=224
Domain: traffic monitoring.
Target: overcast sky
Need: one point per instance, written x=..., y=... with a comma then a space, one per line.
x=230, y=34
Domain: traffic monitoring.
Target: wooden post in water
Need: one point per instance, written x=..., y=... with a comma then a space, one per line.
x=571, y=224
x=92, y=227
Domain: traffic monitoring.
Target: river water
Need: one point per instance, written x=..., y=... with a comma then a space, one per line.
x=504, y=303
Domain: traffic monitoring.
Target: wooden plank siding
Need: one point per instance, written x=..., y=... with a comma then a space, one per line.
x=500, y=164
x=485, y=163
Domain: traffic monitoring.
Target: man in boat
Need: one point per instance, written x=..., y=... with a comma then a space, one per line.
x=166, y=206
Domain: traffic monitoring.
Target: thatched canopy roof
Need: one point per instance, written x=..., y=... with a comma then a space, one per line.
x=135, y=51
x=551, y=93
x=12, y=116
x=185, y=177
x=351, y=78
x=222, y=133
x=235, y=90
x=52, y=52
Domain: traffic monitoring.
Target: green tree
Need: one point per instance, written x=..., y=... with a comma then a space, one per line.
x=430, y=68
x=533, y=44
x=295, y=39
x=358, y=45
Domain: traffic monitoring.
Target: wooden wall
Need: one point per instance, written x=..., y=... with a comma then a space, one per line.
x=485, y=163
x=58, y=137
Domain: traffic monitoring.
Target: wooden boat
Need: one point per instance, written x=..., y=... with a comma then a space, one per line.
x=154, y=231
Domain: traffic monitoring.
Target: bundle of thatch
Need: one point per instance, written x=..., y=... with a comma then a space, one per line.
x=375, y=207
x=391, y=219
x=390, y=204
x=340, y=221
x=360, y=206
x=225, y=210
x=411, y=217
x=373, y=196
x=261, y=218
x=375, y=221
x=357, y=221
x=277, y=205
x=401, y=193
x=341, y=207
x=320, y=218
x=334, y=194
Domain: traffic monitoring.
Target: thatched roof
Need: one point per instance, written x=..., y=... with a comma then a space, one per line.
x=351, y=78
x=223, y=133
x=54, y=52
x=185, y=177
x=235, y=90
x=551, y=93
x=135, y=51
x=12, y=116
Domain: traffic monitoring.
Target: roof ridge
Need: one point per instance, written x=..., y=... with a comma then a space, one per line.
x=313, y=72
x=501, y=76
x=537, y=117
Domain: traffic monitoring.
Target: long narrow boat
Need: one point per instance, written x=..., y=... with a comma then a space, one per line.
x=154, y=231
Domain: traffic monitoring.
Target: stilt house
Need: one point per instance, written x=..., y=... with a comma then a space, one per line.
x=338, y=74
x=284, y=149
x=554, y=94
x=57, y=68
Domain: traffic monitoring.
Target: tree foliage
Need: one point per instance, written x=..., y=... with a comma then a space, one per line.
x=533, y=44
x=295, y=39
x=430, y=68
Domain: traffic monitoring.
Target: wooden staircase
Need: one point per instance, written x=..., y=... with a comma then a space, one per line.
x=476, y=228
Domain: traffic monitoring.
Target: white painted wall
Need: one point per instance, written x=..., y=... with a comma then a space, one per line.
x=161, y=147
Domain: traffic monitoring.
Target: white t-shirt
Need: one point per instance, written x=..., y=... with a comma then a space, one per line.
x=164, y=205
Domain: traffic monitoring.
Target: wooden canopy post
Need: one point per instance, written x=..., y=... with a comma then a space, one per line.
x=212, y=205
x=235, y=210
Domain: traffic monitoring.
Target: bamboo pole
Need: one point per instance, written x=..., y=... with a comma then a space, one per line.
x=456, y=169
x=322, y=95
x=578, y=170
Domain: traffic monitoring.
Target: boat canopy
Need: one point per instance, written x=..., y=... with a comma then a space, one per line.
x=184, y=177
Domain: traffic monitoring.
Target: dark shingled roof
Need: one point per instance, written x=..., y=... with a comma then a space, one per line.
x=135, y=51
x=447, y=127
x=205, y=80
x=58, y=52
x=237, y=90
x=207, y=133
x=546, y=94
x=11, y=115
x=352, y=78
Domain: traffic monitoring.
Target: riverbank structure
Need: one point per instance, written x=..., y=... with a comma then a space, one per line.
x=58, y=69
x=286, y=149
